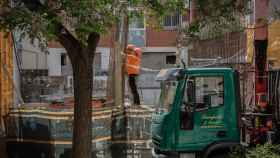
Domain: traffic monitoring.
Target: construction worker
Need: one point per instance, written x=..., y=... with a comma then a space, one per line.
x=133, y=60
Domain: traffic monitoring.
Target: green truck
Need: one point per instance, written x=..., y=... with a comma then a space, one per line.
x=199, y=113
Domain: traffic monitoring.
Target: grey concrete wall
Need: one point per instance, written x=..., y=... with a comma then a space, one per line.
x=54, y=61
x=274, y=5
x=148, y=87
x=32, y=56
x=104, y=63
x=149, y=96
x=156, y=60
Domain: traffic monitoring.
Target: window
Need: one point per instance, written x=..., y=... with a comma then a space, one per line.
x=171, y=59
x=63, y=59
x=136, y=33
x=167, y=95
x=204, y=92
x=172, y=21
x=136, y=22
x=69, y=82
x=97, y=64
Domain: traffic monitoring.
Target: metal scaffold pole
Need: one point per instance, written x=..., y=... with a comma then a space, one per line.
x=118, y=47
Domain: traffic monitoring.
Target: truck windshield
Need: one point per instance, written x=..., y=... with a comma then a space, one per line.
x=167, y=95
x=205, y=91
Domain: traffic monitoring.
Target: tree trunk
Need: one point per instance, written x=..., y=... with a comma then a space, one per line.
x=81, y=57
x=82, y=135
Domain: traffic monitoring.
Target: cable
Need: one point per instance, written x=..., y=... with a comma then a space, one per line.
x=149, y=70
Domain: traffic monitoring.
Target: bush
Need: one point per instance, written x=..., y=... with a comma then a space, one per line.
x=260, y=151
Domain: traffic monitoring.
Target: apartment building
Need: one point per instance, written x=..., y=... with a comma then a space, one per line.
x=36, y=84
x=160, y=50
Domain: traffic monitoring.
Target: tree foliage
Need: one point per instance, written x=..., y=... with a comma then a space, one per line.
x=77, y=25
x=218, y=17
x=40, y=18
x=260, y=151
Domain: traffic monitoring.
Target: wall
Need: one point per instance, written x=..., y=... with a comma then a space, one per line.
x=32, y=56
x=158, y=44
x=105, y=57
x=54, y=61
x=273, y=6
x=163, y=38
x=156, y=60
x=105, y=41
x=153, y=59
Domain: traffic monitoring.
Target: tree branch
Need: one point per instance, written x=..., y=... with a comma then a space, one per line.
x=65, y=37
x=69, y=42
x=92, y=41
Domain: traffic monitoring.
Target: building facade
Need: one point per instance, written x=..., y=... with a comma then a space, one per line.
x=159, y=51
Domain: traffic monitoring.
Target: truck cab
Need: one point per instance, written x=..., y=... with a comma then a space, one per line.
x=198, y=112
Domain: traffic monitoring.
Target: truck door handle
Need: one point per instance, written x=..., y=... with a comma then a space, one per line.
x=222, y=133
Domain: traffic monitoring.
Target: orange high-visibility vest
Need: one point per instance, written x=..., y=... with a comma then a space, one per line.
x=133, y=62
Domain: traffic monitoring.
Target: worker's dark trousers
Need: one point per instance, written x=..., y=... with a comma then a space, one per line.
x=133, y=87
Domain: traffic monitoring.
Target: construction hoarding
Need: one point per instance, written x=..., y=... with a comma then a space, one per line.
x=6, y=75
x=118, y=132
x=273, y=49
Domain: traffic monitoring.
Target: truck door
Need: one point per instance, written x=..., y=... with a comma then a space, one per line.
x=202, y=112
x=186, y=134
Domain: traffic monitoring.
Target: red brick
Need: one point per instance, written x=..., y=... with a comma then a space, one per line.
x=163, y=38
